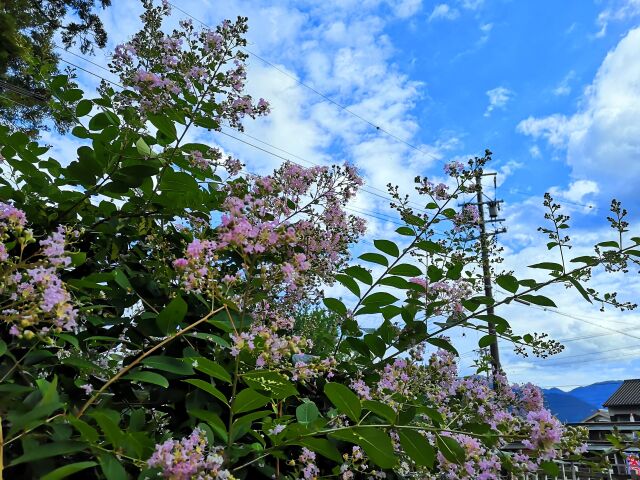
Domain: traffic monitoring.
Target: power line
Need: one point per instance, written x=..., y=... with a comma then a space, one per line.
x=317, y=92
x=523, y=194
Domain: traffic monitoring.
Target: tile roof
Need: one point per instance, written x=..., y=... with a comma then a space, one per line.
x=628, y=394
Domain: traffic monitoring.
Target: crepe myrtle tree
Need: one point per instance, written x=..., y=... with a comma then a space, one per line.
x=149, y=291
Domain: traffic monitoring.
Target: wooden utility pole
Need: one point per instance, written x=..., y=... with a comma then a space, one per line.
x=486, y=273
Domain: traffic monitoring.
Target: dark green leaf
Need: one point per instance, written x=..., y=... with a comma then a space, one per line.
x=451, y=449
x=307, y=412
x=322, y=446
x=248, y=400
x=380, y=409
x=375, y=443
x=417, y=447
x=207, y=387
x=211, y=368
x=171, y=316
x=65, y=471
x=548, y=266
x=169, y=364
x=274, y=384
x=406, y=270
x=375, y=258
x=581, y=289
x=508, y=282
x=344, y=400
x=112, y=468
x=163, y=124
x=379, y=298
x=348, y=282
x=388, y=247
x=335, y=305
x=49, y=450
x=442, y=343
x=359, y=273
x=538, y=300
x=486, y=340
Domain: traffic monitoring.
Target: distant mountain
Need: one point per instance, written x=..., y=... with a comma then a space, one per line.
x=598, y=393
x=577, y=404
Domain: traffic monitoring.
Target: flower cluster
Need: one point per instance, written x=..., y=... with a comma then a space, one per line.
x=468, y=217
x=202, y=69
x=512, y=410
x=289, y=230
x=446, y=296
x=35, y=300
x=356, y=466
x=189, y=458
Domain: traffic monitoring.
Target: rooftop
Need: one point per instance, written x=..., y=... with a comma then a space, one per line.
x=628, y=394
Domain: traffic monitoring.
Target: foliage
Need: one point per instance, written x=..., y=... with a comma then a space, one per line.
x=320, y=326
x=149, y=294
x=28, y=50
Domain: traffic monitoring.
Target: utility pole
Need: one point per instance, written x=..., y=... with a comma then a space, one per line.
x=486, y=270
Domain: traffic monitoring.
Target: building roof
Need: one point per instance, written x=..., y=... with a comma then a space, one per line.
x=598, y=416
x=628, y=394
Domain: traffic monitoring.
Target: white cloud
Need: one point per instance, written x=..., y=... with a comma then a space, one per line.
x=471, y=4
x=444, y=11
x=405, y=8
x=534, y=151
x=602, y=139
x=617, y=10
x=498, y=98
x=564, y=87
x=577, y=191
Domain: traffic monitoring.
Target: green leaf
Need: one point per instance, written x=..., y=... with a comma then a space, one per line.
x=508, y=282
x=83, y=108
x=406, y=231
x=556, y=267
x=380, y=409
x=374, y=441
x=592, y=261
x=211, y=368
x=406, y=270
x=434, y=273
x=307, y=412
x=538, y=300
x=417, y=447
x=67, y=470
x=214, y=420
x=379, y=298
x=275, y=384
x=248, y=400
x=429, y=246
x=375, y=344
x=169, y=364
x=335, y=305
x=102, y=120
x=163, y=124
x=359, y=273
x=49, y=450
x=112, y=468
x=344, y=400
x=122, y=280
x=451, y=449
x=375, y=258
x=207, y=387
x=550, y=468
x=581, y=289
x=348, y=282
x=442, y=343
x=171, y=316
x=486, y=340
x=388, y=247
x=143, y=148
x=322, y=446
x=3, y=347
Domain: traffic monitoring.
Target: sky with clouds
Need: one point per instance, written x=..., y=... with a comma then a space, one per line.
x=552, y=88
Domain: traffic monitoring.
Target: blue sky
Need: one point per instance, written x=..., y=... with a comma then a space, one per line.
x=552, y=88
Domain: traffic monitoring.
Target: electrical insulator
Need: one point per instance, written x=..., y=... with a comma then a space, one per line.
x=493, y=209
